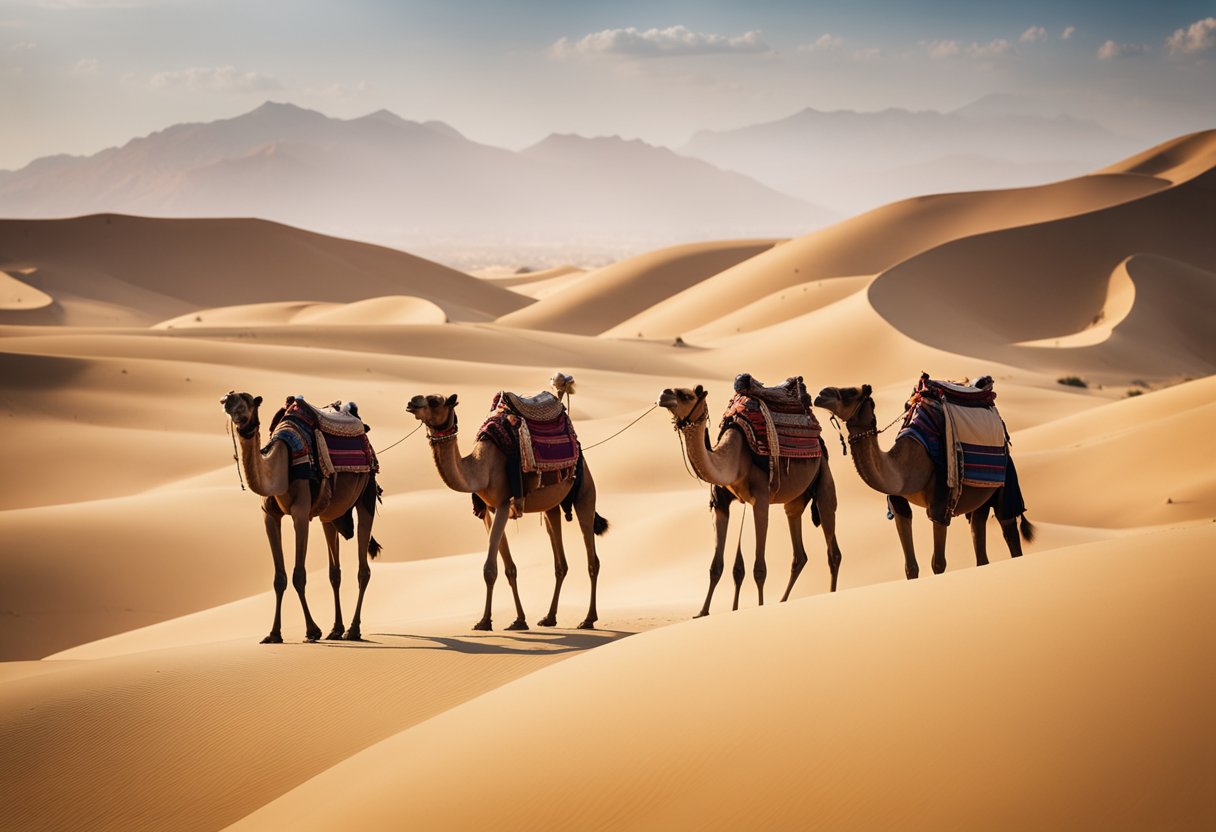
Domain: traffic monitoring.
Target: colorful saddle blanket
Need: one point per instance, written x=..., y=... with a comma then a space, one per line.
x=323, y=441
x=535, y=429
x=776, y=421
x=961, y=430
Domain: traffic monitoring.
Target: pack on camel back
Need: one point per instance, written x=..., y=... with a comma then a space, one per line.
x=538, y=438
x=777, y=422
x=961, y=430
x=324, y=441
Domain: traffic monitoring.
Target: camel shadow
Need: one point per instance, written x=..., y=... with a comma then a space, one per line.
x=548, y=643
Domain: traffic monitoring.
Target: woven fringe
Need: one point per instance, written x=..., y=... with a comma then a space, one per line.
x=323, y=461
x=774, y=443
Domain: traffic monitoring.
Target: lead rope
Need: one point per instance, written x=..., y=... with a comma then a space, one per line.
x=402, y=439
x=622, y=430
x=235, y=457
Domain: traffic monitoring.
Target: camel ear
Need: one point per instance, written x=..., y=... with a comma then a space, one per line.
x=700, y=391
x=866, y=390
x=257, y=401
x=451, y=402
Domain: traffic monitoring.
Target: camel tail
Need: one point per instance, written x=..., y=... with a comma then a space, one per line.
x=374, y=548
x=815, y=512
x=600, y=525
x=1027, y=529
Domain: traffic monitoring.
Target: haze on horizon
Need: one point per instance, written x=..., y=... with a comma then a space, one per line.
x=82, y=75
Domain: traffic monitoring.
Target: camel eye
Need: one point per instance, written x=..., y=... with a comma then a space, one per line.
x=685, y=396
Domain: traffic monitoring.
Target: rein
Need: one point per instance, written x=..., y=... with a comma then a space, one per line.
x=680, y=425
x=236, y=459
x=402, y=439
x=854, y=438
x=440, y=435
x=622, y=430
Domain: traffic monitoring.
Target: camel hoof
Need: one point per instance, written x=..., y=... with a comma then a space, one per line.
x=484, y=624
x=273, y=638
x=354, y=635
x=518, y=624
x=587, y=624
x=547, y=621
x=701, y=614
x=336, y=634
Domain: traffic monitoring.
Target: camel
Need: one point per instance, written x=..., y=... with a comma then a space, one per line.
x=484, y=474
x=732, y=469
x=907, y=474
x=266, y=472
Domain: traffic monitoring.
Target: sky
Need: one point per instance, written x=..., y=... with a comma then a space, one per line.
x=77, y=76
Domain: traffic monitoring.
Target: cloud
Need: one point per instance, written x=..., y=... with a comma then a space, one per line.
x=825, y=41
x=1111, y=50
x=942, y=49
x=1198, y=37
x=23, y=46
x=1032, y=34
x=86, y=66
x=215, y=79
x=1068, y=32
x=654, y=43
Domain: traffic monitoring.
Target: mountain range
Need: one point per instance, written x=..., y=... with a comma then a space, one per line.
x=386, y=179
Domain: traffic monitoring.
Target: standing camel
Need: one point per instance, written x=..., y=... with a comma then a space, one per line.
x=484, y=473
x=907, y=474
x=732, y=468
x=267, y=473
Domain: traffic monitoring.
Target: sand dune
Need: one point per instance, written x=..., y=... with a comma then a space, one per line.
x=1061, y=690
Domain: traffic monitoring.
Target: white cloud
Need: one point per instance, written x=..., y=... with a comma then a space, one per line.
x=1111, y=50
x=86, y=66
x=942, y=49
x=216, y=79
x=1032, y=34
x=825, y=41
x=1068, y=32
x=870, y=54
x=1198, y=37
x=672, y=41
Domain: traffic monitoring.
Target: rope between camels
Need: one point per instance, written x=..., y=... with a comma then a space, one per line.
x=402, y=439
x=622, y=430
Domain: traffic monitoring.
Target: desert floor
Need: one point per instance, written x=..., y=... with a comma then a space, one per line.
x=1069, y=689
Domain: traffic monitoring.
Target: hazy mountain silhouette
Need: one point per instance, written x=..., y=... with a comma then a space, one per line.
x=852, y=161
x=382, y=177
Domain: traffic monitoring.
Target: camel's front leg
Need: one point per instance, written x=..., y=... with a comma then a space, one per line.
x=335, y=579
x=299, y=577
x=939, y=547
x=721, y=521
x=490, y=569
x=363, y=532
x=274, y=534
x=553, y=524
x=979, y=534
x=760, y=518
x=903, y=525
x=512, y=573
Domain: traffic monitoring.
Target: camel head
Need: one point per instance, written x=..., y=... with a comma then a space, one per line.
x=847, y=403
x=242, y=408
x=686, y=406
x=437, y=412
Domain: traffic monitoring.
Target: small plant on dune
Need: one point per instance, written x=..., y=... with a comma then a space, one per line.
x=1072, y=381
x=1134, y=392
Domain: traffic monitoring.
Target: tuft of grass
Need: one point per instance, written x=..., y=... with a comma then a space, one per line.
x=1134, y=392
x=1072, y=381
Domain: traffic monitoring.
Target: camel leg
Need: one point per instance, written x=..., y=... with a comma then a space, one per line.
x=335, y=579
x=903, y=525
x=299, y=576
x=793, y=513
x=738, y=572
x=1009, y=530
x=274, y=533
x=760, y=518
x=939, y=547
x=825, y=501
x=490, y=569
x=553, y=523
x=721, y=521
x=363, y=536
x=979, y=534
x=585, y=511
x=509, y=569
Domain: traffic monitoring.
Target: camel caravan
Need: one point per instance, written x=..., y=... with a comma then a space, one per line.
x=950, y=457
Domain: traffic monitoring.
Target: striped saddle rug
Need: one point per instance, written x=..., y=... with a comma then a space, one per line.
x=323, y=441
x=776, y=421
x=961, y=430
x=536, y=429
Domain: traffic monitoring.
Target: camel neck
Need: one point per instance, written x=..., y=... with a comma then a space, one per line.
x=457, y=472
x=265, y=473
x=707, y=464
x=875, y=467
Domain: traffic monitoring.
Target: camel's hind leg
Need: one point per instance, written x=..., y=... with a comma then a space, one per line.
x=335, y=579
x=273, y=518
x=979, y=533
x=588, y=521
x=363, y=536
x=721, y=521
x=760, y=518
x=509, y=569
x=553, y=523
x=793, y=514
x=824, y=505
x=939, y=547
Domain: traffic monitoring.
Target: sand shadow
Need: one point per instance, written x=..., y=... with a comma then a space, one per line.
x=530, y=643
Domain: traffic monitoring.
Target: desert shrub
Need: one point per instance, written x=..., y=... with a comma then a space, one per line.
x=1072, y=381
x=1134, y=392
